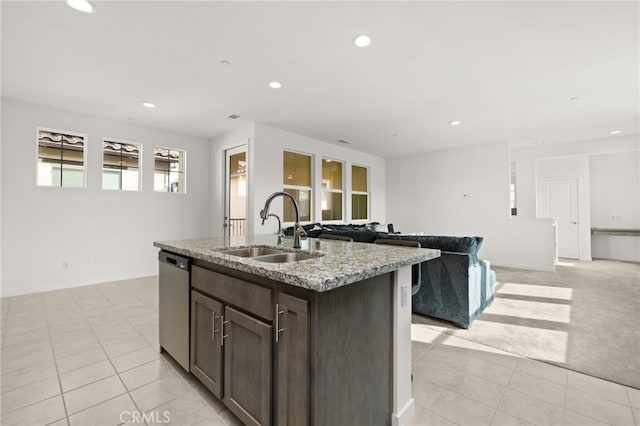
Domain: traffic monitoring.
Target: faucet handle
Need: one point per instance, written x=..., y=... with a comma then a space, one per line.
x=300, y=230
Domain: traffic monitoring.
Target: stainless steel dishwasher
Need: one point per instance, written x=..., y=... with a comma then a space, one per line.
x=174, y=306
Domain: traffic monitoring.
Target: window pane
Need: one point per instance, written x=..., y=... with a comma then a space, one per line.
x=331, y=174
x=110, y=179
x=161, y=159
x=359, y=204
x=72, y=176
x=296, y=169
x=303, y=197
x=161, y=181
x=121, y=160
x=176, y=183
x=60, y=159
x=358, y=178
x=169, y=175
x=130, y=179
x=331, y=205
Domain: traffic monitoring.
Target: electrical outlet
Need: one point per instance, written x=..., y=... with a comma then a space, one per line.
x=65, y=264
x=404, y=295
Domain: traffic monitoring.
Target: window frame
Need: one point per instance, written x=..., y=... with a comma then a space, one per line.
x=338, y=191
x=140, y=162
x=367, y=193
x=184, y=172
x=299, y=187
x=85, y=148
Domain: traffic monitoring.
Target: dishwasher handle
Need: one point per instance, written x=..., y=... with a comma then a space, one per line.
x=174, y=260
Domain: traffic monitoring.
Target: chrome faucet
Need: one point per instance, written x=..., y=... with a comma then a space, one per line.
x=298, y=231
x=280, y=233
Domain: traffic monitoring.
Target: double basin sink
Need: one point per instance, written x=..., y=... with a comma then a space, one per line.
x=270, y=254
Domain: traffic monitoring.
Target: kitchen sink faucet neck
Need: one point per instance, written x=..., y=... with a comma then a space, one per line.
x=298, y=231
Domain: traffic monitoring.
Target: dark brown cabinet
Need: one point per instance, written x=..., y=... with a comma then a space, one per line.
x=292, y=369
x=277, y=354
x=206, y=347
x=247, y=368
x=232, y=350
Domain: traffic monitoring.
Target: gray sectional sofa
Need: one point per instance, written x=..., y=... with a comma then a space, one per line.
x=455, y=287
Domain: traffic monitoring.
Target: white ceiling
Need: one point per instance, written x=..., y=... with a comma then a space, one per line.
x=505, y=69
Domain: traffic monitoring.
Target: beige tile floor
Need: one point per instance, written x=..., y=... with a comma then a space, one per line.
x=87, y=355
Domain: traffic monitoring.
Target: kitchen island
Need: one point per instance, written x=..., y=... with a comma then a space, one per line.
x=324, y=339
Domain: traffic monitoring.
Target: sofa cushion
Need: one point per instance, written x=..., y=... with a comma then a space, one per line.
x=463, y=245
x=468, y=245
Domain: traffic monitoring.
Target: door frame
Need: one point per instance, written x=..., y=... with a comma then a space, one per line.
x=541, y=183
x=228, y=152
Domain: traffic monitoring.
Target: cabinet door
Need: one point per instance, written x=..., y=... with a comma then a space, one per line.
x=292, y=368
x=206, y=341
x=247, y=368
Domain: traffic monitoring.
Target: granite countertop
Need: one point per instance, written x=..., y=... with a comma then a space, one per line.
x=341, y=262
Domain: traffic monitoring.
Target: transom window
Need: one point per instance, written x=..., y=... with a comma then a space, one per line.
x=121, y=165
x=296, y=181
x=359, y=193
x=169, y=170
x=61, y=158
x=332, y=204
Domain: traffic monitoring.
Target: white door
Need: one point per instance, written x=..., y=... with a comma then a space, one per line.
x=236, y=188
x=559, y=198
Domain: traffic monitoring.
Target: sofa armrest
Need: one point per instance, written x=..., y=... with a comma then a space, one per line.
x=488, y=282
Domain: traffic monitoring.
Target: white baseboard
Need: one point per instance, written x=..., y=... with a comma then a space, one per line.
x=405, y=414
x=39, y=289
x=527, y=267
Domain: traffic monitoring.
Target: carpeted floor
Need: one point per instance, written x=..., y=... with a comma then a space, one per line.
x=585, y=316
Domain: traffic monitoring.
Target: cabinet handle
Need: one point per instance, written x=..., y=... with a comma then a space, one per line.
x=213, y=325
x=222, y=335
x=278, y=329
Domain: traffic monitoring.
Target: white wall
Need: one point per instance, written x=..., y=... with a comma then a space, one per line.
x=615, y=203
x=103, y=235
x=426, y=193
x=589, y=153
x=266, y=145
x=525, y=158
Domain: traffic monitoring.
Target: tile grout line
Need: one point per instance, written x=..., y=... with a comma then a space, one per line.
x=564, y=405
x=447, y=388
x=179, y=373
x=506, y=387
x=112, y=366
x=55, y=362
x=611, y=402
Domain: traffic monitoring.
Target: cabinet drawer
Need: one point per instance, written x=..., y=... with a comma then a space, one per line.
x=242, y=294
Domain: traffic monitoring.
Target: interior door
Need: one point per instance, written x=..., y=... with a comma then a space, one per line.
x=559, y=198
x=236, y=188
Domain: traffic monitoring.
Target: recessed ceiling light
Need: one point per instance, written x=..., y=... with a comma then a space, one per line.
x=362, y=40
x=455, y=123
x=615, y=132
x=81, y=5
x=148, y=105
x=344, y=141
x=575, y=98
x=233, y=116
x=275, y=84
x=225, y=62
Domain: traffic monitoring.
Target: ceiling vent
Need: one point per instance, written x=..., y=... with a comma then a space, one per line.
x=233, y=116
x=343, y=141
